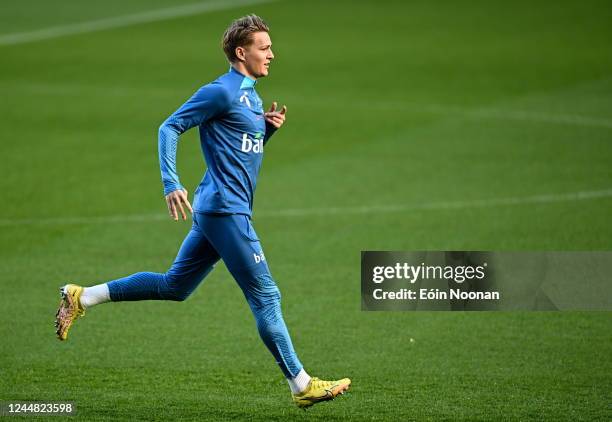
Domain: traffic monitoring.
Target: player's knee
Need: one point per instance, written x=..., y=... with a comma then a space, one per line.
x=175, y=289
x=261, y=301
x=265, y=295
x=180, y=295
x=272, y=297
x=176, y=295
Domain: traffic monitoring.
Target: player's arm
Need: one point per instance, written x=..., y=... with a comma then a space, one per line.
x=274, y=120
x=208, y=102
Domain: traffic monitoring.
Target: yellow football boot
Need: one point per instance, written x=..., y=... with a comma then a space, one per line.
x=319, y=390
x=70, y=308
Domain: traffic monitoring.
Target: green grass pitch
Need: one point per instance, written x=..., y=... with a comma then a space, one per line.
x=390, y=104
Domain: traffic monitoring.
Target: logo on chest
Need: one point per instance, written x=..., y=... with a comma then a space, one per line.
x=252, y=145
x=245, y=99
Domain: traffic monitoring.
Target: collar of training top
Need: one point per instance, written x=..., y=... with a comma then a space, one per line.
x=246, y=82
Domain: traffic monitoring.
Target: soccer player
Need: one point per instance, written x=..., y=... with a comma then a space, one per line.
x=233, y=133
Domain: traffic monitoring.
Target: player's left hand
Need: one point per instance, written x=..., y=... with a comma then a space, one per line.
x=276, y=118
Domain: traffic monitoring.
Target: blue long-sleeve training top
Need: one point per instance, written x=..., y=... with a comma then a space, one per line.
x=233, y=132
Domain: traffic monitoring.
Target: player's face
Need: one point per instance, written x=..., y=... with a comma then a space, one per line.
x=258, y=55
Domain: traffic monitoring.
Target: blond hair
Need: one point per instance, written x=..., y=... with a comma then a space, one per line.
x=239, y=34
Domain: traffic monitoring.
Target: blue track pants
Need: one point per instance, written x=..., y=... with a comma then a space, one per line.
x=233, y=239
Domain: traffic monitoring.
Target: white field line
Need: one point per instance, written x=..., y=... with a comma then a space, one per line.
x=487, y=113
x=480, y=113
x=435, y=109
x=327, y=211
x=122, y=21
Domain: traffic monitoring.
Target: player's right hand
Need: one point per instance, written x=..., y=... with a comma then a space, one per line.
x=175, y=201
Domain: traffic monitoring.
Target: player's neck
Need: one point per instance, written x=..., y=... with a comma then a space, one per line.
x=241, y=68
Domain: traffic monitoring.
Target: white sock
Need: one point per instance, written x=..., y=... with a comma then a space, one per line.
x=299, y=382
x=94, y=295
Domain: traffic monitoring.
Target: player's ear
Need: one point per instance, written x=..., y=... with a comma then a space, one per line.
x=240, y=53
